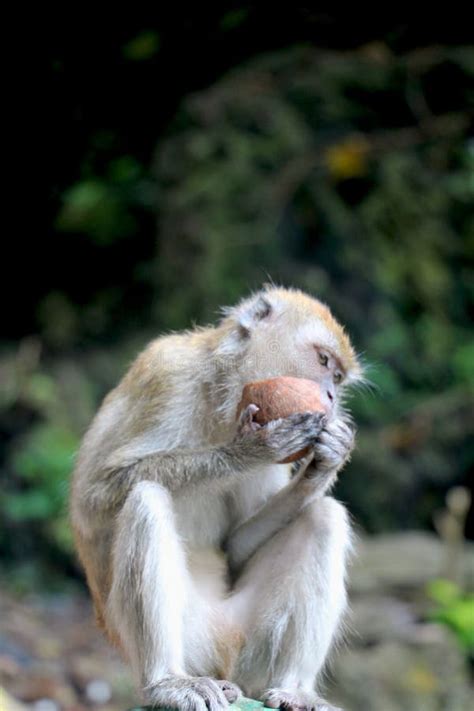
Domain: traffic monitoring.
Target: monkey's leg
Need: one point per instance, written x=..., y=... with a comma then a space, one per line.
x=314, y=478
x=289, y=599
x=150, y=600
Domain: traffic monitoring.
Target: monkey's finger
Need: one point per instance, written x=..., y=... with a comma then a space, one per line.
x=305, y=464
x=337, y=439
x=246, y=421
x=340, y=428
x=218, y=701
x=313, y=421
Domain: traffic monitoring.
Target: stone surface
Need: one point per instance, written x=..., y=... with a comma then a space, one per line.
x=8, y=703
x=395, y=659
x=404, y=562
x=391, y=676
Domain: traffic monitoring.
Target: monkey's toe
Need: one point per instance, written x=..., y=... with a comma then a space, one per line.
x=295, y=700
x=188, y=694
x=231, y=691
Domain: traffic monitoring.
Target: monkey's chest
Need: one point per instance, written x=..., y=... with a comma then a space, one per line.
x=252, y=493
x=204, y=517
x=201, y=518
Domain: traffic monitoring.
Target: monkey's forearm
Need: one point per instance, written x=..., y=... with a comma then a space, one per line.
x=315, y=477
x=180, y=468
x=320, y=478
x=278, y=512
x=173, y=470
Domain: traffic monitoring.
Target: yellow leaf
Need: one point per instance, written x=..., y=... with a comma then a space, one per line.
x=422, y=680
x=347, y=159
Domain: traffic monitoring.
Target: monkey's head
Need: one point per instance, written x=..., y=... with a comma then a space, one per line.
x=285, y=332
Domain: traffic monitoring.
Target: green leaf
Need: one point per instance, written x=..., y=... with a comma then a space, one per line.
x=234, y=18
x=443, y=591
x=144, y=46
x=463, y=362
x=28, y=505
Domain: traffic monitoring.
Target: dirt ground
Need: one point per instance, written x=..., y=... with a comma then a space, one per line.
x=53, y=657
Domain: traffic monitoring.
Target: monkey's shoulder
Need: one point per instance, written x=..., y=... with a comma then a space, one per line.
x=164, y=362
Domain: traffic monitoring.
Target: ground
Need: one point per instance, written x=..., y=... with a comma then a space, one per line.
x=53, y=658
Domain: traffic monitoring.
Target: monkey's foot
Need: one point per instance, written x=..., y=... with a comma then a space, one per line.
x=295, y=700
x=192, y=693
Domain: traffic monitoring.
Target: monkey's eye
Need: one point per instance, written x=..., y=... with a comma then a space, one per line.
x=323, y=359
x=337, y=377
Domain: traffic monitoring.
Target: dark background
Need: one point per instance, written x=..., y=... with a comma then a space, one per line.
x=177, y=158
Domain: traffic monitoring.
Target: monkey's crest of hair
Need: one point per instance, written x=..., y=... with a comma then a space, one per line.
x=303, y=309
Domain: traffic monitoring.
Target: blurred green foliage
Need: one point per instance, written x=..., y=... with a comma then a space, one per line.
x=100, y=207
x=43, y=462
x=455, y=609
x=349, y=174
x=144, y=46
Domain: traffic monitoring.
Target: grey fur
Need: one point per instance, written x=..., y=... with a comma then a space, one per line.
x=166, y=476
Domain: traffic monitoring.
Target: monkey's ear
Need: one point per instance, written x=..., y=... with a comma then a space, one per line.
x=252, y=312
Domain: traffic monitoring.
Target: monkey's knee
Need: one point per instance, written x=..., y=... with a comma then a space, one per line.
x=328, y=536
x=145, y=498
x=326, y=522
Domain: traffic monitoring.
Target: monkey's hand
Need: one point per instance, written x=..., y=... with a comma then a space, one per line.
x=332, y=450
x=279, y=439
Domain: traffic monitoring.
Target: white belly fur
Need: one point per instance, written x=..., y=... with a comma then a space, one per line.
x=204, y=517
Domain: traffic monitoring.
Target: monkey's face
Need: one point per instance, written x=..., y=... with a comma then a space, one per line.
x=292, y=334
x=298, y=357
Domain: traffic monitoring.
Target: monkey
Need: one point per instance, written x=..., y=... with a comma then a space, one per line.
x=215, y=570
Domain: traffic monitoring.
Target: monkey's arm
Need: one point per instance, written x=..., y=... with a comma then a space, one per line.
x=177, y=469
x=173, y=469
x=317, y=474
x=279, y=511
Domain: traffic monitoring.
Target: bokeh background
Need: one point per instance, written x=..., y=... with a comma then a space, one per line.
x=184, y=156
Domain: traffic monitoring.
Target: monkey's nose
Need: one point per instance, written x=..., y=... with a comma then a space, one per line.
x=328, y=393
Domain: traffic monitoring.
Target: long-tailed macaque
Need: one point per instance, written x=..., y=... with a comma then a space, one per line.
x=212, y=567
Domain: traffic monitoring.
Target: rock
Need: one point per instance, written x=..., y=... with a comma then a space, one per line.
x=378, y=618
x=403, y=561
x=394, y=660
x=394, y=676
x=34, y=686
x=9, y=667
x=244, y=704
x=8, y=703
x=98, y=692
x=45, y=705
